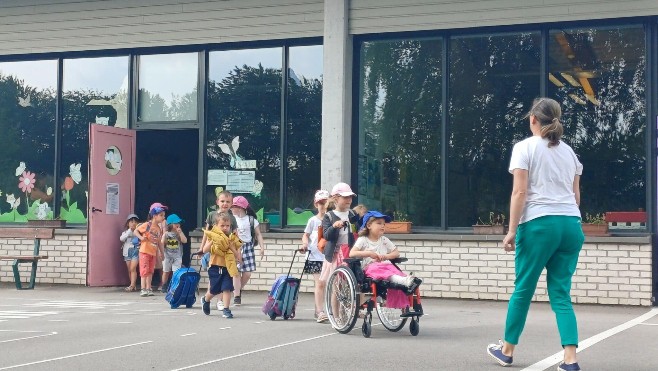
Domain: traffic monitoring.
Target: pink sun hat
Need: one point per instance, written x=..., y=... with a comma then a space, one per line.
x=157, y=204
x=342, y=189
x=321, y=195
x=241, y=202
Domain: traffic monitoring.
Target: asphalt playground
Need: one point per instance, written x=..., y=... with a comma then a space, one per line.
x=63, y=327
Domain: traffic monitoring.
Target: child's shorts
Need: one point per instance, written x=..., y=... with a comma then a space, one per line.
x=133, y=254
x=146, y=264
x=172, y=263
x=312, y=267
x=220, y=279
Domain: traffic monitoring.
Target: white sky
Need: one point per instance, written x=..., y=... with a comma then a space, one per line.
x=163, y=73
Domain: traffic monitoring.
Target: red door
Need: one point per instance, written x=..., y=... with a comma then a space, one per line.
x=111, y=199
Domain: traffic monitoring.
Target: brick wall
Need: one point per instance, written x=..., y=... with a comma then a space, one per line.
x=66, y=263
x=611, y=270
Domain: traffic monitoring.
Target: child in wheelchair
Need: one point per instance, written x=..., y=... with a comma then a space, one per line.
x=377, y=250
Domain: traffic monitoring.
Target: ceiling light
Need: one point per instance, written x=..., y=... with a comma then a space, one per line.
x=570, y=79
x=555, y=80
x=593, y=99
x=577, y=99
x=586, y=86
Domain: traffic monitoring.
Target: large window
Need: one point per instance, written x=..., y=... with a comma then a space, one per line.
x=399, y=163
x=168, y=87
x=598, y=76
x=95, y=90
x=493, y=80
x=27, y=132
x=243, y=135
x=304, y=125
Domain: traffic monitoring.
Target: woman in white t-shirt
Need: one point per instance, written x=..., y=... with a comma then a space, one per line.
x=545, y=229
x=316, y=257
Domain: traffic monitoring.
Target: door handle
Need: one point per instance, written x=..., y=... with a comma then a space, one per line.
x=93, y=209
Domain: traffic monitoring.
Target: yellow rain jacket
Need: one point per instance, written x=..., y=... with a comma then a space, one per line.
x=220, y=254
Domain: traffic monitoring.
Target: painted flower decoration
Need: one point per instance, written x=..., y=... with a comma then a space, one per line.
x=68, y=183
x=49, y=191
x=20, y=169
x=74, y=170
x=13, y=201
x=42, y=211
x=26, y=182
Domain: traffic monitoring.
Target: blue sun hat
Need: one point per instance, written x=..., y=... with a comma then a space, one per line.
x=174, y=219
x=374, y=214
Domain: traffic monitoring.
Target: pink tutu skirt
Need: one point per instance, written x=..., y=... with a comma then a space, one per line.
x=383, y=271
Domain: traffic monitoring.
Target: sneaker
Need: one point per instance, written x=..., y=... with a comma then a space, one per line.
x=409, y=281
x=237, y=300
x=143, y=293
x=322, y=317
x=227, y=313
x=568, y=367
x=150, y=292
x=205, y=305
x=220, y=304
x=495, y=351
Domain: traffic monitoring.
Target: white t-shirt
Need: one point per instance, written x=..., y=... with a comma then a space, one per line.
x=312, y=229
x=381, y=247
x=244, y=229
x=342, y=233
x=551, y=173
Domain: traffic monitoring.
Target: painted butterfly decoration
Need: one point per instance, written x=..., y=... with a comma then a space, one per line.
x=232, y=150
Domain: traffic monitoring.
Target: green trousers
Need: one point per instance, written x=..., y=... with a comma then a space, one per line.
x=552, y=242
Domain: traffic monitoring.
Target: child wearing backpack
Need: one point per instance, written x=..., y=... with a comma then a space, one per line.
x=130, y=250
x=338, y=228
x=248, y=232
x=316, y=258
x=172, y=241
x=150, y=235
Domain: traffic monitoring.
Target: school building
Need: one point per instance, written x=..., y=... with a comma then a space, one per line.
x=108, y=105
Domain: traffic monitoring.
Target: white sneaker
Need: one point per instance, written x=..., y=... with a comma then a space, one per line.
x=143, y=293
x=220, y=305
x=409, y=280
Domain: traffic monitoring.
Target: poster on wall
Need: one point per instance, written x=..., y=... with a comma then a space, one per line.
x=240, y=181
x=112, y=199
x=217, y=177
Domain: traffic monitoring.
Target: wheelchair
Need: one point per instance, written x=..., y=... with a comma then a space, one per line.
x=344, y=288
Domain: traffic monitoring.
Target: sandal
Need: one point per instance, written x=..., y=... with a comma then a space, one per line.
x=130, y=289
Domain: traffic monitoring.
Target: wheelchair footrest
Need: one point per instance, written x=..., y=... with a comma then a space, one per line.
x=411, y=314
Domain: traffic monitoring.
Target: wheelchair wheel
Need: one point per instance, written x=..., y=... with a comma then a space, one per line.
x=366, y=329
x=341, y=300
x=414, y=327
x=390, y=317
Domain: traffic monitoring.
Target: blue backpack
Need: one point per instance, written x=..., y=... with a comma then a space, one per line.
x=183, y=288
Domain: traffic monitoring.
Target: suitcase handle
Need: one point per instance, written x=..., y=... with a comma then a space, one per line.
x=293, y=261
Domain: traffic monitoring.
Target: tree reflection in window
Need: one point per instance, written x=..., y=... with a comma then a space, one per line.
x=493, y=80
x=598, y=76
x=400, y=128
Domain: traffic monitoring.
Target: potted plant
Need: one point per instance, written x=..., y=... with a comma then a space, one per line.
x=595, y=225
x=495, y=225
x=399, y=224
x=264, y=225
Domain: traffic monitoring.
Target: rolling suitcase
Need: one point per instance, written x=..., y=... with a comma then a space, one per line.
x=183, y=288
x=282, y=299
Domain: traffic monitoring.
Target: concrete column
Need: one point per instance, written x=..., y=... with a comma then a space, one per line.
x=336, y=95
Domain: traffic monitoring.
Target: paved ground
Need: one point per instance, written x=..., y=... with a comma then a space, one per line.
x=69, y=327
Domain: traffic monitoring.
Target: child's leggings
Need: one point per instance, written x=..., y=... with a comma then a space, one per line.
x=552, y=242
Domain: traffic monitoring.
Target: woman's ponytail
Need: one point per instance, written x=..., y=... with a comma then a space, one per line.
x=548, y=112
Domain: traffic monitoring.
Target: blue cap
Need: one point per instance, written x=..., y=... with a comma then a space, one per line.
x=156, y=211
x=174, y=219
x=374, y=214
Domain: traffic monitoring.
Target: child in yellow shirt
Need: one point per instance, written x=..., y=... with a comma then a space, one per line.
x=224, y=247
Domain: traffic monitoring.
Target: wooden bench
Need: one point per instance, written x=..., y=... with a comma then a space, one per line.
x=26, y=233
